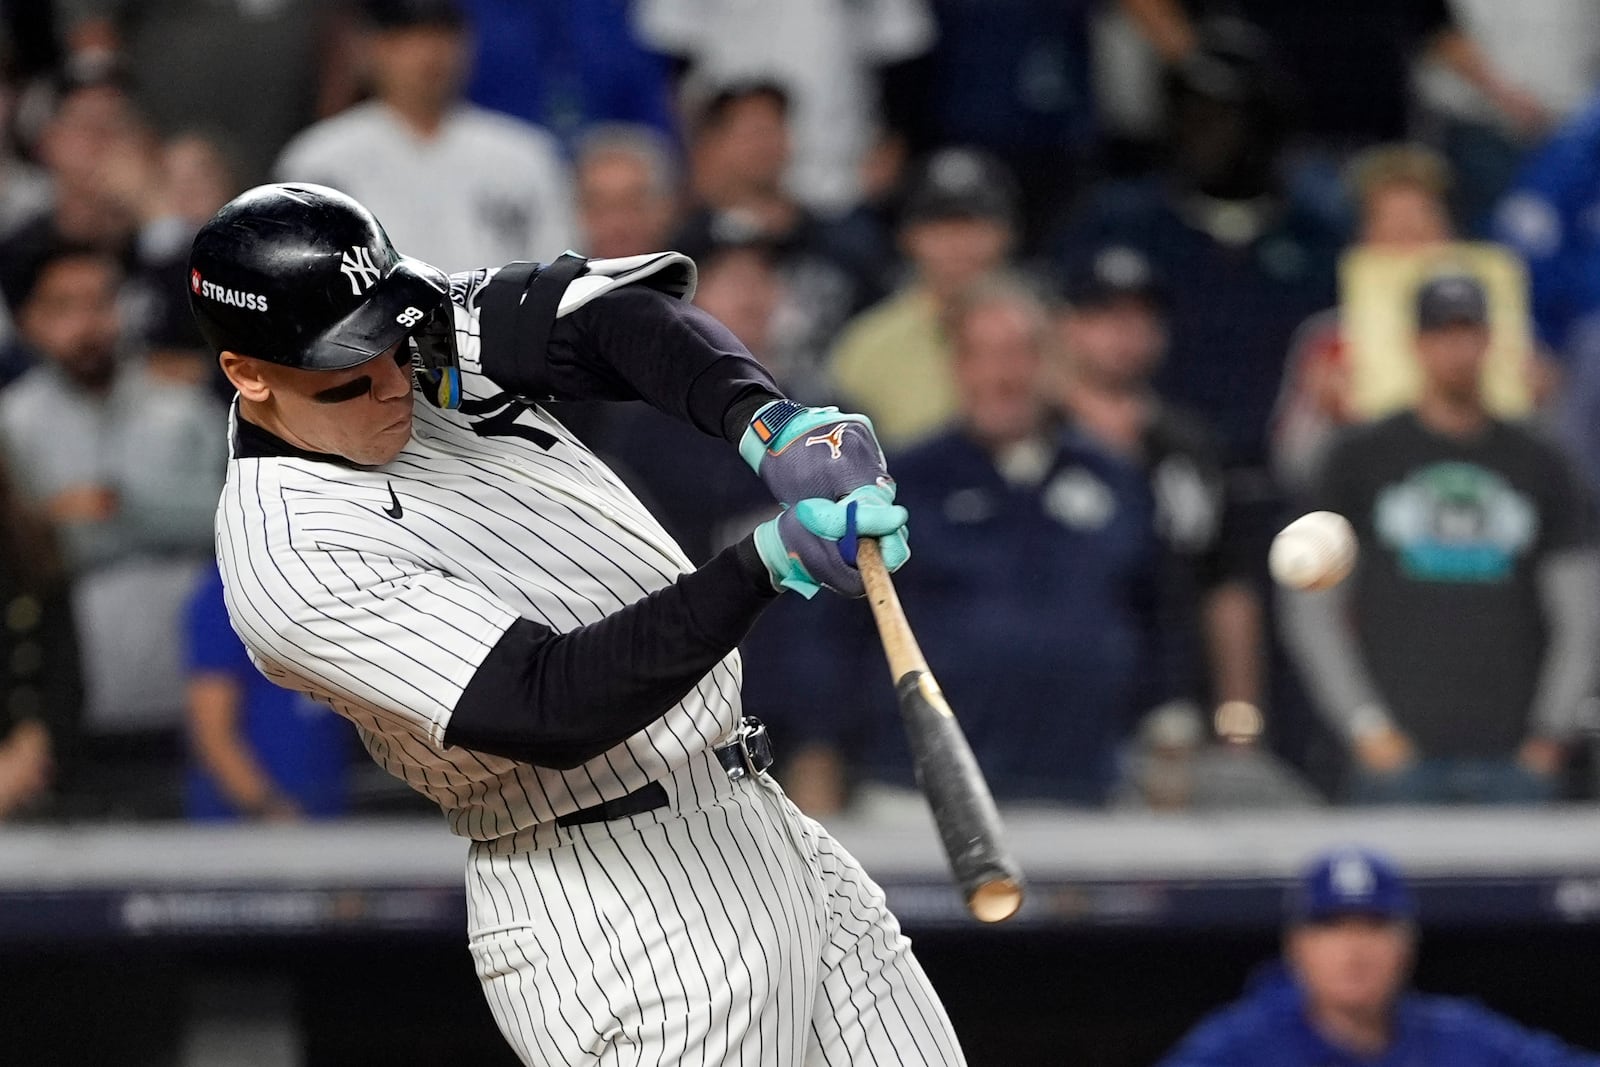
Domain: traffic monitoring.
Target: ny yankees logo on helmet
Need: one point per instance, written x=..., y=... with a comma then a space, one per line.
x=357, y=265
x=834, y=439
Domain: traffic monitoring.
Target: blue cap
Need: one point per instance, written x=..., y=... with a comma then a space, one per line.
x=1351, y=881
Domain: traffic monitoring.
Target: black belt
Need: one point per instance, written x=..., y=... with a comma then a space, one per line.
x=748, y=754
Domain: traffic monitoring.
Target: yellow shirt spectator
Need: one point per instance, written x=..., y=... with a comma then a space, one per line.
x=892, y=362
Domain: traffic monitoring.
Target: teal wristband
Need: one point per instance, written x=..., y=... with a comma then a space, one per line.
x=776, y=425
x=766, y=427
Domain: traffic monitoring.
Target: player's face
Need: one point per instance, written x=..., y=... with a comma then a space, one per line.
x=1354, y=964
x=362, y=413
x=998, y=368
x=1451, y=358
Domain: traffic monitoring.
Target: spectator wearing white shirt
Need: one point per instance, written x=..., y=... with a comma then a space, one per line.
x=1553, y=46
x=824, y=54
x=459, y=185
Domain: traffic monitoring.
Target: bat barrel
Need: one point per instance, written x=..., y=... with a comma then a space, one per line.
x=947, y=773
x=963, y=808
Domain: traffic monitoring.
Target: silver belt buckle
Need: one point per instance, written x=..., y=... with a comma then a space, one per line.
x=753, y=748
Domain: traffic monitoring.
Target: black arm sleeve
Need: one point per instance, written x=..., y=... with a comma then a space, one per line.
x=561, y=699
x=635, y=343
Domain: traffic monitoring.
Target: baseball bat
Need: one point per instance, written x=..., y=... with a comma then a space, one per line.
x=948, y=775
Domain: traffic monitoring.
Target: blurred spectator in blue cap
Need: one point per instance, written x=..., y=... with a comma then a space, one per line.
x=1339, y=997
x=1351, y=882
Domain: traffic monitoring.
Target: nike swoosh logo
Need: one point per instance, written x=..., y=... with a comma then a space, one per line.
x=396, y=510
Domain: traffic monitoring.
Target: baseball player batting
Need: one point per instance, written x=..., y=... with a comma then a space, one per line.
x=515, y=637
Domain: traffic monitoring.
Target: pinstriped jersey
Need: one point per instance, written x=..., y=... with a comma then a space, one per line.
x=379, y=590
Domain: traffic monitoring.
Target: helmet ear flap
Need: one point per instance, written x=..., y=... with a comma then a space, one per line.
x=435, y=361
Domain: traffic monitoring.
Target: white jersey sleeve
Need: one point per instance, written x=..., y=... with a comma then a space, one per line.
x=327, y=606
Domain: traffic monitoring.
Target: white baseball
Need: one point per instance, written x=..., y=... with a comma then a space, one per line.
x=1315, y=551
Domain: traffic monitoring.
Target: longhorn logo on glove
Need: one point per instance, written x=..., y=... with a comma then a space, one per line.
x=834, y=439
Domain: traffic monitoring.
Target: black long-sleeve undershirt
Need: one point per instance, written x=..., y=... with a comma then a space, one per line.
x=560, y=699
x=634, y=343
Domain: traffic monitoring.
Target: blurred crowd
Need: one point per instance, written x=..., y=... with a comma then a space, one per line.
x=1124, y=285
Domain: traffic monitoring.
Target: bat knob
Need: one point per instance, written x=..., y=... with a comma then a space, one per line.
x=995, y=901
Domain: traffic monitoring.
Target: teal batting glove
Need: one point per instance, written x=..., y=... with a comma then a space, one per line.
x=813, y=544
x=802, y=452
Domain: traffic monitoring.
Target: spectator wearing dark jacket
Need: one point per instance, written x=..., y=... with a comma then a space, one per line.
x=1037, y=583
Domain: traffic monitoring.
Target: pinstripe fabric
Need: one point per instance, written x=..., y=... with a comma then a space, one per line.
x=386, y=620
x=725, y=928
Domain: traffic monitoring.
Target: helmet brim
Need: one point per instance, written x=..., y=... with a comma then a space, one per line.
x=381, y=321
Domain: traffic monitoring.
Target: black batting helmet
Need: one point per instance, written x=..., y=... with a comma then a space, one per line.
x=302, y=275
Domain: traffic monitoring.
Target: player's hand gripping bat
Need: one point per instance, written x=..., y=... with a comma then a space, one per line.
x=948, y=775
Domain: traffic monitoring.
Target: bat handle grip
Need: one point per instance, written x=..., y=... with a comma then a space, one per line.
x=899, y=643
x=869, y=561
